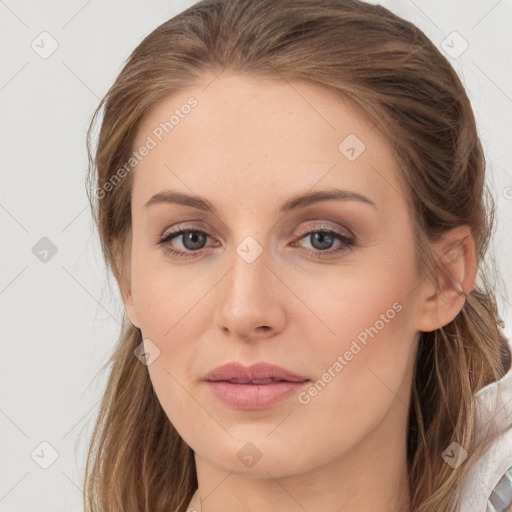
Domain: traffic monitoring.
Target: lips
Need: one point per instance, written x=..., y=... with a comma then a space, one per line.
x=260, y=386
x=261, y=373
x=253, y=381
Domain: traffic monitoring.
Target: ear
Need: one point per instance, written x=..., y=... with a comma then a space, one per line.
x=456, y=268
x=123, y=264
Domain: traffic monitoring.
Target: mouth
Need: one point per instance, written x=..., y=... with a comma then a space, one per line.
x=259, y=386
x=254, y=394
x=260, y=373
x=257, y=381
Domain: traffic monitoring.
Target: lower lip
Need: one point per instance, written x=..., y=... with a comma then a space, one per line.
x=254, y=396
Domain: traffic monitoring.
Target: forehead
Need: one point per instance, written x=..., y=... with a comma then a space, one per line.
x=260, y=138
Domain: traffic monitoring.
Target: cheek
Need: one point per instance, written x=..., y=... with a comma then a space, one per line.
x=363, y=302
x=365, y=335
x=165, y=296
x=174, y=309
x=362, y=372
x=365, y=328
x=171, y=313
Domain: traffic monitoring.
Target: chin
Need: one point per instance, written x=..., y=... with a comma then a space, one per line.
x=256, y=456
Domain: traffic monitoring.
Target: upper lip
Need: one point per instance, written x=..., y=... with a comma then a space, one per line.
x=259, y=371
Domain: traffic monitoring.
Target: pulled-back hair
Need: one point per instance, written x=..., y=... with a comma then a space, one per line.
x=137, y=460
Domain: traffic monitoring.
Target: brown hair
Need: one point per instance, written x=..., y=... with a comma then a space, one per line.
x=137, y=460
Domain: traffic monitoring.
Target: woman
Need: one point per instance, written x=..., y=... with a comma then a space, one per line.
x=291, y=197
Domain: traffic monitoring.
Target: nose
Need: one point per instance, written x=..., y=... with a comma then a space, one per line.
x=251, y=297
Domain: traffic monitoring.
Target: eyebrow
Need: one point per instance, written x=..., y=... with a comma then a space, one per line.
x=300, y=201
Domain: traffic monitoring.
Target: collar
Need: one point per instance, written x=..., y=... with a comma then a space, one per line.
x=487, y=485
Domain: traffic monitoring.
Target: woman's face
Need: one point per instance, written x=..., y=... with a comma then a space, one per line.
x=324, y=289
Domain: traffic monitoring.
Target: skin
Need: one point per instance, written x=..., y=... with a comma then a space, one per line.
x=249, y=145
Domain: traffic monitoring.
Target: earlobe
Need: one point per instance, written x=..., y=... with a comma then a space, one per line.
x=123, y=263
x=456, y=270
x=130, y=308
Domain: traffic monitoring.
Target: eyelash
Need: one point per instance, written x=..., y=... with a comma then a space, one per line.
x=347, y=243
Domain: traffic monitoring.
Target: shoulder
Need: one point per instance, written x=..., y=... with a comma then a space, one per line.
x=488, y=484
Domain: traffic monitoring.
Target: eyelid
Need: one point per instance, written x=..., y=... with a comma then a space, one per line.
x=185, y=227
x=319, y=225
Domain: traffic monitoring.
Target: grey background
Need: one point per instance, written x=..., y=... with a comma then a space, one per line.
x=60, y=319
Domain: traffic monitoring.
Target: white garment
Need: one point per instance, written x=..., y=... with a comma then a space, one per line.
x=488, y=486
